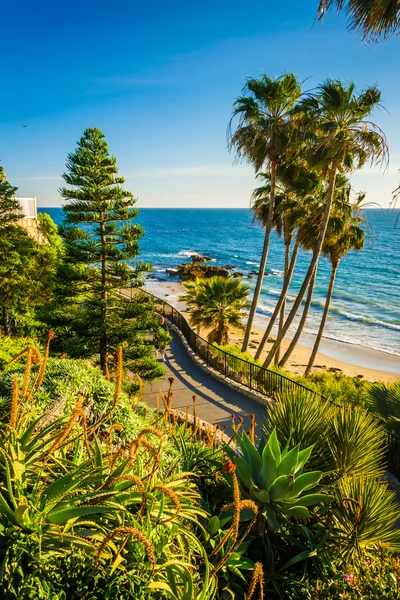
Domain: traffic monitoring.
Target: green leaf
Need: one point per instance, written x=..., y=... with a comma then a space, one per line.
x=275, y=449
x=302, y=458
x=300, y=512
x=270, y=515
x=312, y=499
x=306, y=481
x=79, y=511
x=268, y=472
x=282, y=488
x=161, y=585
x=243, y=471
x=288, y=462
x=213, y=525
x=260, y=495
x=251, y=454
x=299, y=558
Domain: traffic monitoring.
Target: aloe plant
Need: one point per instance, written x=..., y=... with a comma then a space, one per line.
x=275, y=480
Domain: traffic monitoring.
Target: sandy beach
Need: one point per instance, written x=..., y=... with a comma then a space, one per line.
x=352, y=360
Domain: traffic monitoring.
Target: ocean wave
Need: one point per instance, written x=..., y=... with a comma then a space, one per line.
x=364, y=319
x=187, y=253
x=354, y=342
x=277, y=272
x=250, y=262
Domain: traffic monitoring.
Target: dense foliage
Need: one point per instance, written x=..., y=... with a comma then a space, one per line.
x=102, y=498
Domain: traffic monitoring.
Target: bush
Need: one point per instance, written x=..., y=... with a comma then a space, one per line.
x=377, y=577
x=11, y=346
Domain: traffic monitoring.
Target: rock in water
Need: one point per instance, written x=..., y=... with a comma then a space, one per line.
x=197, y=258
x=192, y=271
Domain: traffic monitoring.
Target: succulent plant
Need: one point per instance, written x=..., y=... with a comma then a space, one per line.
x=275, y=480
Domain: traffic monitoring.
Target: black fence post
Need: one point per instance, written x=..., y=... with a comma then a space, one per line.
x=207, y=354
x=225, y=363
x=251, y=376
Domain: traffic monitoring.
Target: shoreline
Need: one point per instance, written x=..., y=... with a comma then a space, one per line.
x=334, y=356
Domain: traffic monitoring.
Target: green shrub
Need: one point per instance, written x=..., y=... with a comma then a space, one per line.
x=384, y=399
x=11, y=346
x=375, y=578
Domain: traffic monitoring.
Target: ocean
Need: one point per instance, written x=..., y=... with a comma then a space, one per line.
x=365, y=308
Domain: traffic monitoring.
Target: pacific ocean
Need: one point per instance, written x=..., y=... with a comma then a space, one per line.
x=365, y=308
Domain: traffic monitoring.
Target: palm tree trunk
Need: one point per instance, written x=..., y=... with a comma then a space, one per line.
x=303, y=320
x=283, y=307
x=263, y=263
x=281, y=300
x=6, y=321
x=311, y=268
x=323, y=320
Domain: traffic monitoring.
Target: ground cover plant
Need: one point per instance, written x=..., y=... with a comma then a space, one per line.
x=101, y=497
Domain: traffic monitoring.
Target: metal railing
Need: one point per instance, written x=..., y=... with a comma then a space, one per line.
x=253, y=376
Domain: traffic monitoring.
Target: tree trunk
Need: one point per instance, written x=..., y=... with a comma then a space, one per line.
x=311, y=268
x=6, y=321
x=283, y=307
x=303, y=320
x=323, y=320
x=281, y=300
x=103, y=317
x=263, y=263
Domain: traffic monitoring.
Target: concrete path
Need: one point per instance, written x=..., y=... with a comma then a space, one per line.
x=215, y=402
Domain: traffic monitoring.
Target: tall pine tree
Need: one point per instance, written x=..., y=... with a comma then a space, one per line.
x=102, y=246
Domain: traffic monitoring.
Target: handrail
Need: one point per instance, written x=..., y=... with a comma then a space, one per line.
x=249, y=374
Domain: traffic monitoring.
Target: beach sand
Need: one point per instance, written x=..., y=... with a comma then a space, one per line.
x=371, y=365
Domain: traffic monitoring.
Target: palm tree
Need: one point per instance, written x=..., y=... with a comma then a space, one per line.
x=218, y=303
x=263, y=137
x=296, y=183
x=342, y=212
x=375, y=19
x=351, y=238
x=344, y=140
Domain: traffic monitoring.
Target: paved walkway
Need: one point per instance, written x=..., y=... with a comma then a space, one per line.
x=215, y=402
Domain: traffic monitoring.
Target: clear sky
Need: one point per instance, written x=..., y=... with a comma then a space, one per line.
x=159, y=78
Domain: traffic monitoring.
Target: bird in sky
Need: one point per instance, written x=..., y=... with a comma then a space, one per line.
x=23, y=125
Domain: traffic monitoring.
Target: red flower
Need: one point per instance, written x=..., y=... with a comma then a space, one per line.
x=50, y=334
x=229, y=467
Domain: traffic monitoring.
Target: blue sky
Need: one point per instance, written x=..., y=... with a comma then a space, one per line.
x=160, y=79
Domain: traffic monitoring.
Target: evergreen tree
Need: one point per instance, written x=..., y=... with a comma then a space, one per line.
x=10, y=209
x=101, y=248
x=19, y=286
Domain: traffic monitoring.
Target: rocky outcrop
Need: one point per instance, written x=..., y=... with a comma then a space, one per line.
x=192, y=271
x=197, y=258
x=237, y=274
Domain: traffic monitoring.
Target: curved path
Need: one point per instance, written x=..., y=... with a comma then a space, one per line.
x=215, y=402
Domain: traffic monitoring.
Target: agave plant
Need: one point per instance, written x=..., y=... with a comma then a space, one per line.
x=275, y=480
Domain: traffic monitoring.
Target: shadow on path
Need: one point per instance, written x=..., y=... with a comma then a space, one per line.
x=215, y=402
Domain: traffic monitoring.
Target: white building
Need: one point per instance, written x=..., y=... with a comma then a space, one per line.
x=29, y=207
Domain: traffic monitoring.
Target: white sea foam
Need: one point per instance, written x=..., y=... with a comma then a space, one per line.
x=187, y=253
